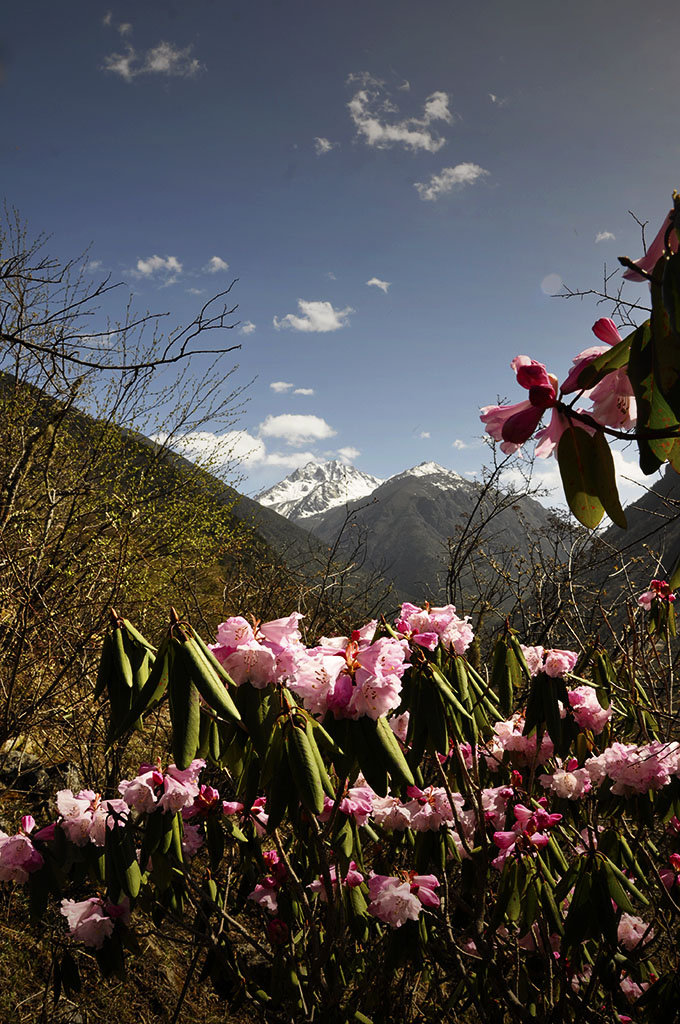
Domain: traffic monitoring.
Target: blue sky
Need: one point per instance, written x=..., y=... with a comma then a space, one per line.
x=456, y=155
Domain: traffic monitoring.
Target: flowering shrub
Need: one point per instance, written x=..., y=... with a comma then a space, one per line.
x=517, y=829
x=630, y=382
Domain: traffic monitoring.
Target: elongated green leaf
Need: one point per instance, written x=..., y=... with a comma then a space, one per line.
x=613, y=359
x=607, y=489
x=578, y=462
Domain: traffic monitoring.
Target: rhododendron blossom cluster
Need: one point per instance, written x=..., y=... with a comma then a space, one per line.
x=398, y=900
x=168, y=791
x=351, y=676
x=430, y=626
x=659, y=590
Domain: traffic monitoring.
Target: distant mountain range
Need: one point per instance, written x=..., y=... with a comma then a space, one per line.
x=407, y=521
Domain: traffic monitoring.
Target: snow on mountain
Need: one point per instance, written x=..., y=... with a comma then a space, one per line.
x=317, y=487
x=438, y=475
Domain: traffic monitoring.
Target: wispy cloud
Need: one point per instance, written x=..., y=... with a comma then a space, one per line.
x=330, y=275
x=215, y=264
x=605, y=236
x=323, y=146
x=247, y=327
x=163, y=268
x=498, y=101
x=303, y=391
x=317, y=317
x=296, y=429
x=281, y=386
x=448, y=179
x=375, y=282
x=349, y=453
x=423, y=434
x=163, y=59
x=460, y=445
x=376, y=117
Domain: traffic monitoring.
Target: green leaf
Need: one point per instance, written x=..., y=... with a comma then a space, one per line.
x=613, y=359
x=670, y=292
x=578, y=462
x=607, y=489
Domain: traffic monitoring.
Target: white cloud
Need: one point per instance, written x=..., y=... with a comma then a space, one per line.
x=460, y=445
x=349, y=453
x=405, y=86
x=125, y=28
x=196, y=291
x=280, y=386
x=167, y=268
x=330, y=275
x=373, y=114
x=605, y=236
x=377, y=283
x=423, y=434
x=214, y=265
x=163, y=59
x=222, y=452
x=323, y=146
x=498, y=101
x=551, y=284
x=94, y=265
x=319, y=317
x=304, y=391
x=247, y=327
x=296, y=429
x=450, y=178
x=107, y=19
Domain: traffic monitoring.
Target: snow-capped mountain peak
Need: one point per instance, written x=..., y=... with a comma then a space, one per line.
x=317, y=487
x=438, y=475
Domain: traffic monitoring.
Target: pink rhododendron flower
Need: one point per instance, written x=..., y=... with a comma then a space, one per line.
x=614, y=402
x=169, y=791
x=265, y=896
x=356, y=803
x=558, y=663
x=554, y=663
x=569, y=782
x=635, y=769
x=259, y=655
x=632, y=930
x=588, y=712
x=523, y=750
x=659, y=590
x=515, y=424
x=192, y=840
x=351, y=880
x=604, y=329
x=256, y=814
x=390, y=812
x=534, y=658
x=671, y=876
x=654, y=252
x=495, y=802
x=396, y=900
x=399, y=726
x=18, y=858
x=207, y=802
x=429, y=808
x=528, y=834
x=631, y=989
x=85, y=816
x=92, y=921
x=351, y=676
x=427, y=626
